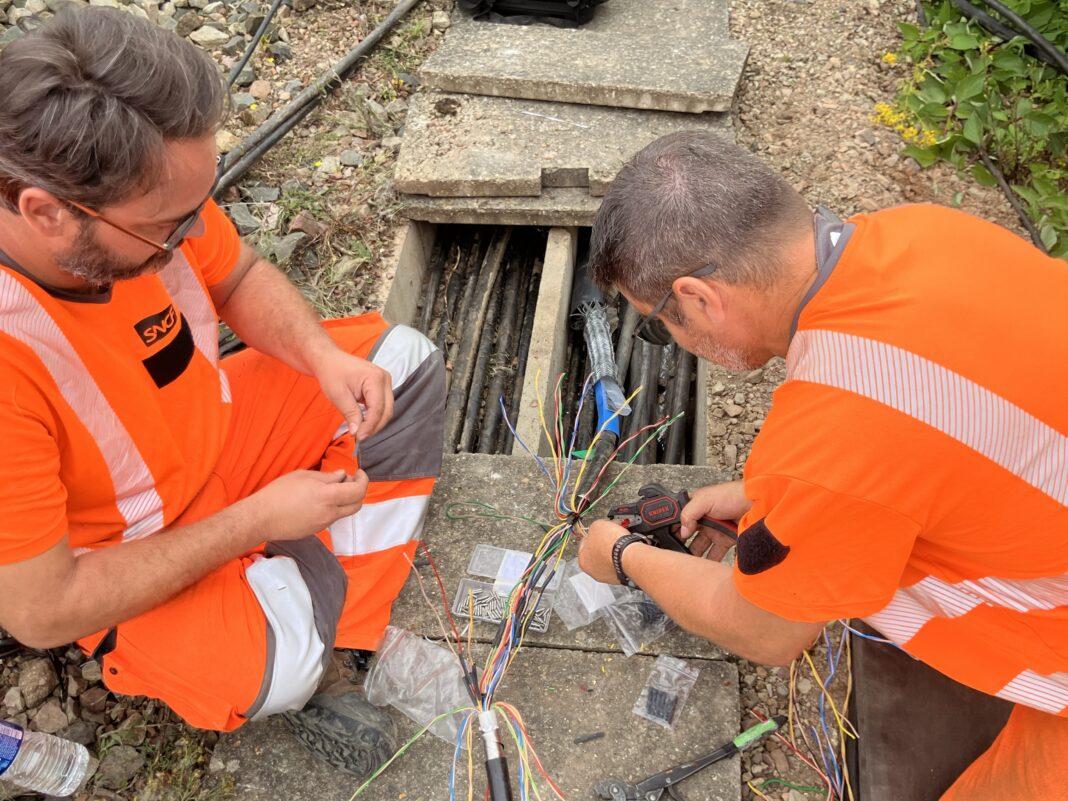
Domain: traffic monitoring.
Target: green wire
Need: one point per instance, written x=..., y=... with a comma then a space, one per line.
x=490, y=513
x=408, y=745
x=799, y=787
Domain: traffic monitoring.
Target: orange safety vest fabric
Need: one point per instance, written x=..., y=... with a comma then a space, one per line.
x=204, y=651
x=915, y=463
x=148, y=448
x=1025, y=762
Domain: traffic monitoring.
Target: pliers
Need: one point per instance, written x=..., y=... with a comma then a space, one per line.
x=653, y=787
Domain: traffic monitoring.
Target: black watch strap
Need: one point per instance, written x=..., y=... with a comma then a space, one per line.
x=617, y=557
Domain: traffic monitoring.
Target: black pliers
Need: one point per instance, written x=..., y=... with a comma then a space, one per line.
x=652, y=788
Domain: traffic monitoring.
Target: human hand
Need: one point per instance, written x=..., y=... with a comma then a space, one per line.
x=595, y=552
x=305, y=502
x=720, y=502
x=349, y=381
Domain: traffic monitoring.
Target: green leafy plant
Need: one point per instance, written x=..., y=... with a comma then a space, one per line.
x=986, y=106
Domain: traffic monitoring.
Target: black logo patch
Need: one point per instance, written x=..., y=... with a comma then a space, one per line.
x=156, y=326
x=758, y=550
x=170, y=361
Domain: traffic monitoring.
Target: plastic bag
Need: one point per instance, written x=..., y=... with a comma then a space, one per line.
x=636, y=620
x=580, y=600
x=665, y=691
x=420, y=679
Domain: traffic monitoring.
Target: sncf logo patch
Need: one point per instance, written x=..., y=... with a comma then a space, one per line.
x=155, y=327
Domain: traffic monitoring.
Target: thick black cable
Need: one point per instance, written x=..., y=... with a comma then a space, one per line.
x=251, y=48
x=251, y=148
x=1029, y=32
x=1010, y=195
x=1000, y=29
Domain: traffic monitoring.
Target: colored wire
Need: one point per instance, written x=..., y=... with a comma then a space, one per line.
x=408, y=745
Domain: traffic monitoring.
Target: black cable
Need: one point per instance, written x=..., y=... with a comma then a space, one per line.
x=249, y=149
x=251, y=48
x=1000, y=30
x=1029, y=32
x=1013, y=200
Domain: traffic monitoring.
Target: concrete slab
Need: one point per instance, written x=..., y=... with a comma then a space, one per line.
x=553, y=207
x=643, y=70
x=548, y=341
x=515, y=486
x=671, y=19
x=561, y=695
x=464, y=145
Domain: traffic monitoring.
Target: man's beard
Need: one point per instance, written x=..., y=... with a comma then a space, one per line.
x=100, y=268
x=734, y=360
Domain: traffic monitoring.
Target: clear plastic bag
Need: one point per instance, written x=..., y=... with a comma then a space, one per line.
x=419, y=678
x=581, y=600
x=636, y=620
x=666, y=690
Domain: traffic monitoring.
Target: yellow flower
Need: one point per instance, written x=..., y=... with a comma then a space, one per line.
x=930, y=138
x=253, y=106
x=910, y=133
x=890, y=58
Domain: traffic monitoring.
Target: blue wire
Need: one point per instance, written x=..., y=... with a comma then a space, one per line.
x=871, y=637
x=519, y=439
x=456, y=757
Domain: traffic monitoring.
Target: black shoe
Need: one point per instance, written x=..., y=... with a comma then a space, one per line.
x=346, y=731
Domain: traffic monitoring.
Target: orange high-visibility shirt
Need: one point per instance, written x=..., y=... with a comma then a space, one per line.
x=114, y=409
x=913, y=470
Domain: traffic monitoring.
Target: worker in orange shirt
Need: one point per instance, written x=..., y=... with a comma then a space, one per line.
x=913, y=469
x=211, y=530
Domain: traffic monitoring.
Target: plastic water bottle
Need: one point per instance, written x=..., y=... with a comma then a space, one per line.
x=41, y=762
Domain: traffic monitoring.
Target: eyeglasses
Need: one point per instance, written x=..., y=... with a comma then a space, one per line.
x=181, y=230
x=653, y=330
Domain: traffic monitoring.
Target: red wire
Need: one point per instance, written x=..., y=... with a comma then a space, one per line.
x=444, y=596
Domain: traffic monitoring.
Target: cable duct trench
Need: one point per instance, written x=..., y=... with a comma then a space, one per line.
x=479, y=288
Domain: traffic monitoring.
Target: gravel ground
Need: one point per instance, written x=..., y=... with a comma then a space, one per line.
x=321, y=205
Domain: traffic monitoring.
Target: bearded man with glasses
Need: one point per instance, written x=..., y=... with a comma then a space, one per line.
x=913, y=469
x=209, y=530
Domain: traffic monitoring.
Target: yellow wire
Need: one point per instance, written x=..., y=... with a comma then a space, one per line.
x=470, y=764
x=793, y=699
x=757, y=792
x=830, y=698
x=528, y=781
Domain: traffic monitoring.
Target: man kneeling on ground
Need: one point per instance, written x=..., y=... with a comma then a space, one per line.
x=913, y=470
x=211, y=530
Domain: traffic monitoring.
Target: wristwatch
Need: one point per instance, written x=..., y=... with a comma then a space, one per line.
x=617, y=557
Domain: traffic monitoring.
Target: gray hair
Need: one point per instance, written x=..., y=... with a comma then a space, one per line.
x=90, y=98
x=687, y=200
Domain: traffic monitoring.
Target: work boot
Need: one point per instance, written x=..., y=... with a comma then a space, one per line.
x=345, y=730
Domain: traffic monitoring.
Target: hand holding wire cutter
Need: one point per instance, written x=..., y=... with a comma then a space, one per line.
x=653, y=787
x=657, y=514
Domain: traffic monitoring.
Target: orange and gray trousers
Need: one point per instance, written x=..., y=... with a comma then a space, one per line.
x=254, y=637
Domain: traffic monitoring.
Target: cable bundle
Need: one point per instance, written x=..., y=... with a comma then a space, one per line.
x=566, y=474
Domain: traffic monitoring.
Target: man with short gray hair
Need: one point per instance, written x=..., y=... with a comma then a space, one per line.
x=210, y=530
x=913, y=469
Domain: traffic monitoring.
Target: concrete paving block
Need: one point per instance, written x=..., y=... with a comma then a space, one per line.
x=515, y=486
x=645, y=70
x=548, y=341
x=561, y=695
x=465, y=145
x=553, y=207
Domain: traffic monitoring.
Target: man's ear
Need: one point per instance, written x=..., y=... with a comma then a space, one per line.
x=699, y=298
x=45, y=214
